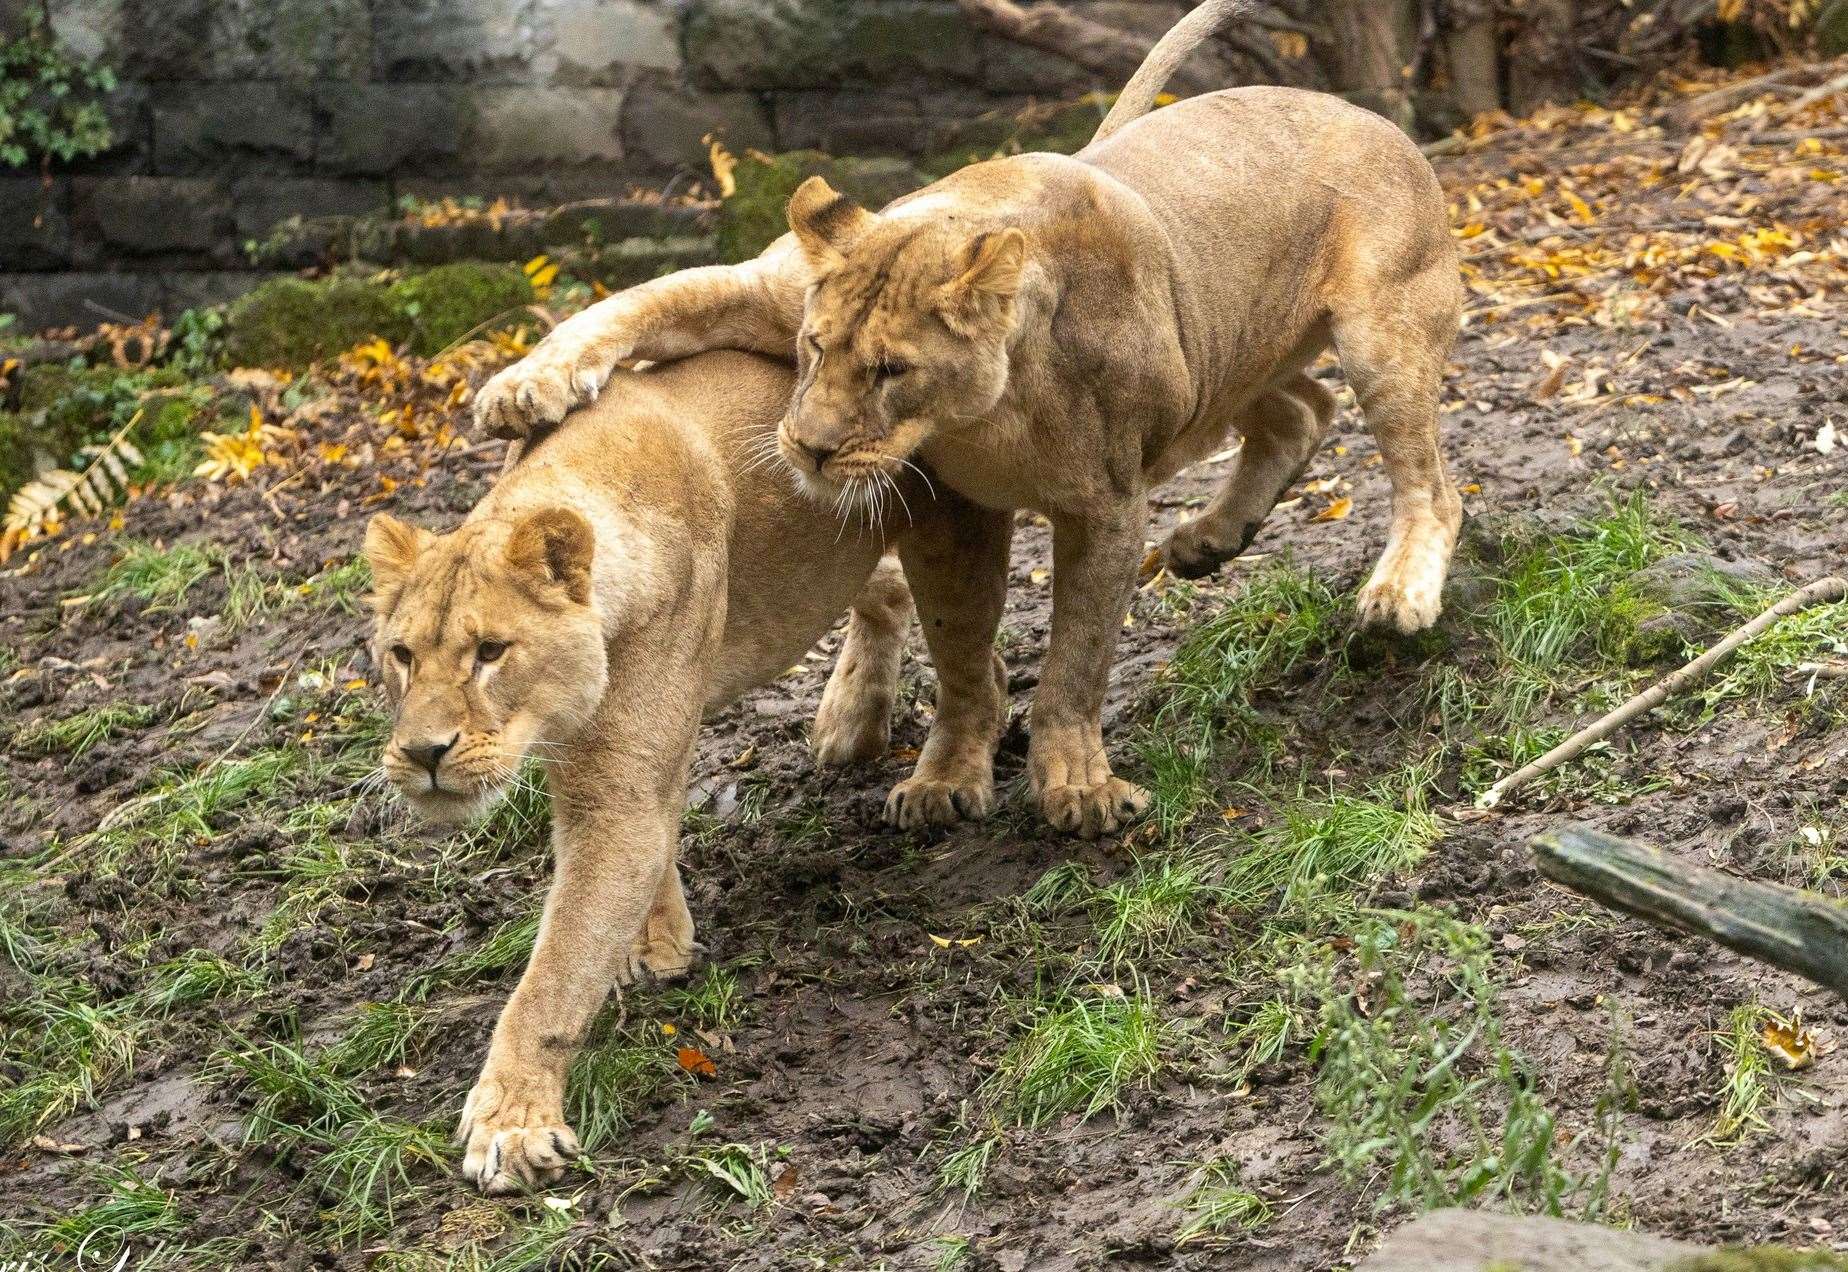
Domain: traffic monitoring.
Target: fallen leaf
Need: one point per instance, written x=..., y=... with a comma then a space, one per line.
x=696, y=1062
x=1335, y=511
x=948, y=942
x=1790, y=1042
x=45, y=1144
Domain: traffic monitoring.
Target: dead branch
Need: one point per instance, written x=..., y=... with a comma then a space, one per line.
x=1045, y=26
x=1784, y=927
x=1817, y=593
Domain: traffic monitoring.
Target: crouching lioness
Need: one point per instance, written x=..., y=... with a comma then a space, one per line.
x=634, y=569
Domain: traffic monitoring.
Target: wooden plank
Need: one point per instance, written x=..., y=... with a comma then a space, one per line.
x=1785, y=927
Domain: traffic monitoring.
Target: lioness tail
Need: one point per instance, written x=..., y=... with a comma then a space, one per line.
x=1138, y=96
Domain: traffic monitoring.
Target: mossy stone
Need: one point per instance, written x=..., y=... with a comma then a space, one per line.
x=292, y=322
x=445, y=304
x=755, y=214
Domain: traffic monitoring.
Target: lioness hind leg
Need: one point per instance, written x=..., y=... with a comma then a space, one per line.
x=854, y=723
x=1394, y=357
x=956, y=560
x=1283, y=429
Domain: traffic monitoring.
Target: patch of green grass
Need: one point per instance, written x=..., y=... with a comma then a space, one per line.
x=1419, y=1089
x=711, y=1001
x=1280, y=620
x=963, y=1169
x=77, y=734
x=365, y=1171
x=1562, y=597
x=1178, y=772
x=731, y=1170
x=952, y=1252
x=1081, y=1055
x=1264, y=1035
x=1749, y=1082
x=1333, y=846
x=66, y=1047
x=1770, y=660
x=1219, y=1204
x=343, y=586
x=1593, y=774
x=507, y=946
x=1159, y=905
x=200, y=976
x=134, y=1212
x=161, y=577
x=619, y=1073
x=360, y=1164
x=383, y=1036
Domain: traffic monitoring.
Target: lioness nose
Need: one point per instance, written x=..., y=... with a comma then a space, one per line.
x=428, y=754
x=817, y=455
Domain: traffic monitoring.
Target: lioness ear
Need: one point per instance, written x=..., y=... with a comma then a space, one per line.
x=392, y=547
x=826, y=223
x=991, y=264
x=556, y=544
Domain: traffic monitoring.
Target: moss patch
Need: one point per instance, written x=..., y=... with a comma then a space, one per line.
x=296, y=322
x=755, y=215
x=449, y=302
x=292, y=322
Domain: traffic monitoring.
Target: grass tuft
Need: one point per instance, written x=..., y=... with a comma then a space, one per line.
x=1218, y=1204
x=77, y=734
x=1080, y=1056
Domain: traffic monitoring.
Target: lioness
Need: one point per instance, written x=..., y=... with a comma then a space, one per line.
x=1062, y=333
x=633, y=570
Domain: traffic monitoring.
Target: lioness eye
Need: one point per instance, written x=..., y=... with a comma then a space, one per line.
x=891, y=369
x=402, y=653
x=489, y=650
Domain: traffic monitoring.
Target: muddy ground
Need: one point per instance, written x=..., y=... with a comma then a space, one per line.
x=855, y=1054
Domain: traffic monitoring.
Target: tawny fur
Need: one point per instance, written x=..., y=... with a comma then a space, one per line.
x=639, y=567
x=1063, y=333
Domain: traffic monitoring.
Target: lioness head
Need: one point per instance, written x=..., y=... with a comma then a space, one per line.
x=490, y=646
x=905, y=335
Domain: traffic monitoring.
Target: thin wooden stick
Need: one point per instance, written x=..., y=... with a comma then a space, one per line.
x=1817, y=593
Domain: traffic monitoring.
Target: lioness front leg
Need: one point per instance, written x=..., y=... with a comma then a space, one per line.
x=956, y=562
x=854, y=722
x=1093, y=576
x=615, y=905
x=755, y=306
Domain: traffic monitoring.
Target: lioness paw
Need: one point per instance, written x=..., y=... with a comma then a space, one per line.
x=851, y=730
x=541, y=389
x=922, y=801
x=1193, y=551
x=512, y=1142
x=1406, y=605
x=1093, y=810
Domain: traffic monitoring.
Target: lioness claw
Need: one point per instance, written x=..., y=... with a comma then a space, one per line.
x=1090, y=811
x=920, y=801
x=513, y=1144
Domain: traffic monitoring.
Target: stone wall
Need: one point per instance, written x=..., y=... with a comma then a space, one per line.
x=233, y=114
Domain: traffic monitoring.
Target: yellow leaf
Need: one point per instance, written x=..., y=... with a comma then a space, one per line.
x=1335, y=511
x=543, y=278
x=724, y=164
x=1790, y=1042
x=946, y=942
x=536, y=264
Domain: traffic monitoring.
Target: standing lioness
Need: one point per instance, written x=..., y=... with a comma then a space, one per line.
x=1064, y=333
x=635, y=569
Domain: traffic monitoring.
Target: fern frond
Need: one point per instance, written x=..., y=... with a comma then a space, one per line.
x=102, y=482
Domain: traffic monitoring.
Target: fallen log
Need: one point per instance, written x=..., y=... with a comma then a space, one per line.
x=1798, y=931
